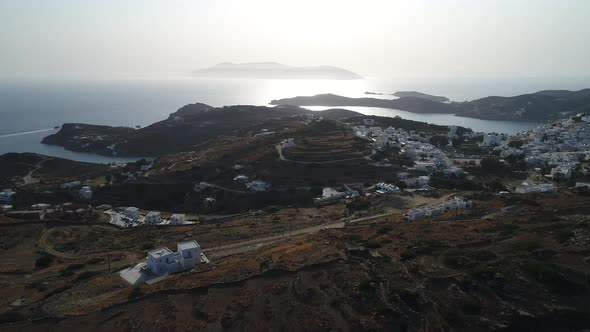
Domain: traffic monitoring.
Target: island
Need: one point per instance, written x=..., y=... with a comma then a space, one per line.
x=273, y=70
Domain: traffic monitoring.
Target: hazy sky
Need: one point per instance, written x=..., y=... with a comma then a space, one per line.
x=458, y=38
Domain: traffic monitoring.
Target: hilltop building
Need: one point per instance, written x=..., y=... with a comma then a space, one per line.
x=7, y=196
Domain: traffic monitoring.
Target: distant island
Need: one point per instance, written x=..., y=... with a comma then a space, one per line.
x=535, y=107
x=273, y=70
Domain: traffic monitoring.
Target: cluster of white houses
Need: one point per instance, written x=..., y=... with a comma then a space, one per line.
x=560, y=146
x=134, y=215
x=456, y=203
x=426, y=157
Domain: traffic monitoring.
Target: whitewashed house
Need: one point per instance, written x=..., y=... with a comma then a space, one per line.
x=132, y=212
x=71, y=185
x=425, y=166
x=164, y=260
x=369, y=122
x=86, y=193
x=258, y=186
x=288, y=143
x=153, y=217
x=178, y=219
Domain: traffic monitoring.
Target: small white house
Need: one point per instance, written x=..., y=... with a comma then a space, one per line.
x=425, y=166
x=491, y=139
x=7, y=196
x=178, y=219
x=132, y=212
x=416, y=214
x=86, y=193
x=153, y=217
x=161, y=260
x=164, y=260
x=369, y=122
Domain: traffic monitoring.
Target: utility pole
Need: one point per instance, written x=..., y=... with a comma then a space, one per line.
x=218, y=235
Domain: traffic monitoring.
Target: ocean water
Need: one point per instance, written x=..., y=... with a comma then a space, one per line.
x=30, y=109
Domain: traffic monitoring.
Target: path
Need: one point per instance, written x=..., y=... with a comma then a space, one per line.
x=29, y=179
x=282, y=158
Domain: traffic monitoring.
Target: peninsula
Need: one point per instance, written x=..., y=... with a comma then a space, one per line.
x=540, y=106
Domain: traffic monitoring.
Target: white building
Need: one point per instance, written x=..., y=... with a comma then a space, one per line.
x=241, y=178
x=86, y=193
x=416, y=214
x=153, y=217
x=425, y=166
x=288, y=143
x=453, y=170
x=132, y=212
x=177, y=219
x=40, y=206
x=535, y=188
x=369, y=122
x=491, y=139
x=258, y=186
x=164, y=260
x=7, y=196
x=386, y=188
x=71, y=185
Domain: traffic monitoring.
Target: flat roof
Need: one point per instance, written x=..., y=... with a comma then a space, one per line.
x=178, y=215
x=153, y=213
x=188, y=245
x=159, y=252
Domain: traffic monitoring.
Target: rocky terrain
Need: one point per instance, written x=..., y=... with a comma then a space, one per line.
x=521, y=269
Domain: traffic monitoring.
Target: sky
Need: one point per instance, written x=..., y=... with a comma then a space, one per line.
x=381, y=39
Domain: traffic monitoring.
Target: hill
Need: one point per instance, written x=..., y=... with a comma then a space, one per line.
x=190, y=126
x=273, y=70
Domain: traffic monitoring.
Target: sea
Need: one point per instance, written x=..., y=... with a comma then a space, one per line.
x=32, y=109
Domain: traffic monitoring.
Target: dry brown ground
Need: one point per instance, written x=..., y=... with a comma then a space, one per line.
x=527, y=269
